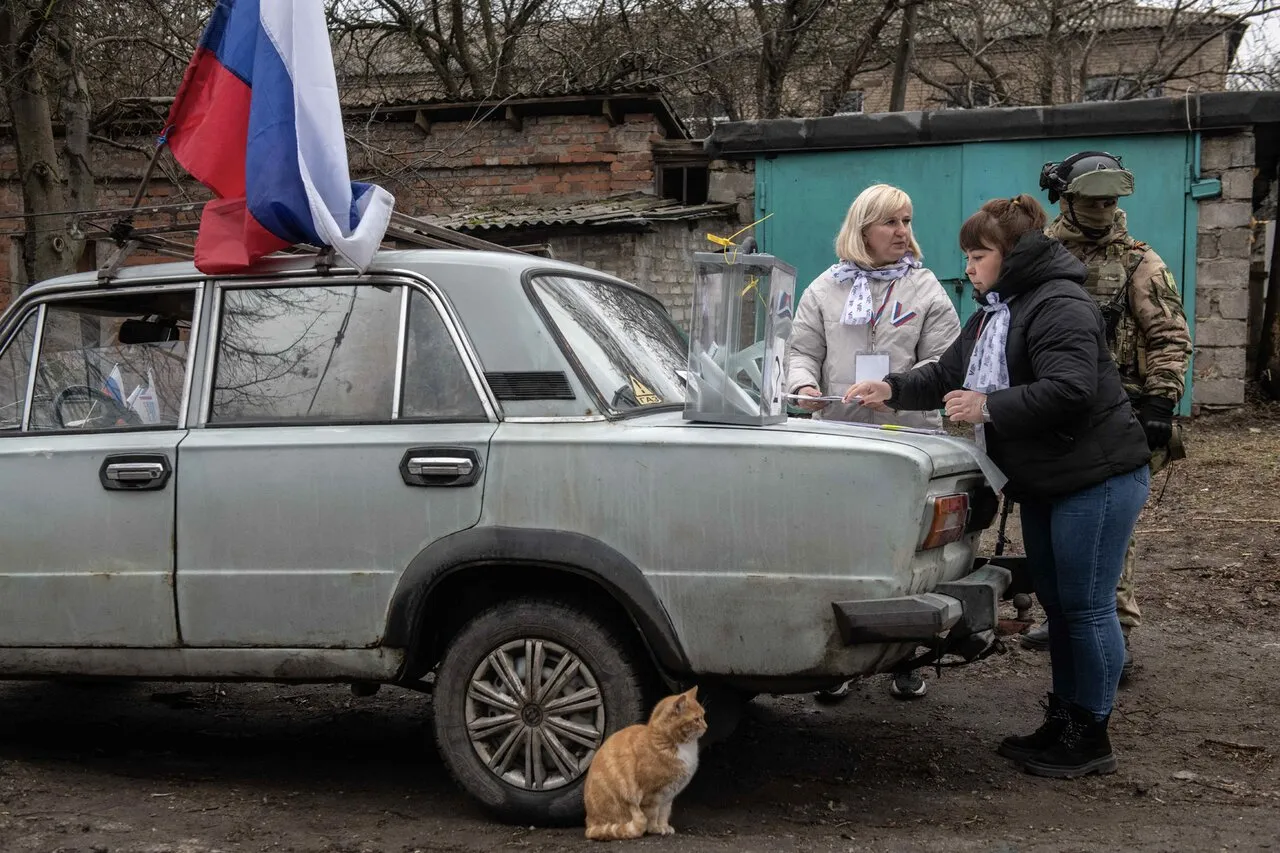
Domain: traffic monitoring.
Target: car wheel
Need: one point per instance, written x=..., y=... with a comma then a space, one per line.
x=524, y=695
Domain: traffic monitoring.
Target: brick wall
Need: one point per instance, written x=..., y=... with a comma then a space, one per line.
x=1223, y=253
x=545, y=160
x=436, y=168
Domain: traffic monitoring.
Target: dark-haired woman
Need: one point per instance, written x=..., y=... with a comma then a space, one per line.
x=1032, y=371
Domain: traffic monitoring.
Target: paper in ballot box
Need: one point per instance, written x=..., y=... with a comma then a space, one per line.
x=742, y=311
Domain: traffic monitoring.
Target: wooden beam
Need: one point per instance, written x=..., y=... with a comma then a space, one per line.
x=513, y=119
x=424, y=124
x=606, y=107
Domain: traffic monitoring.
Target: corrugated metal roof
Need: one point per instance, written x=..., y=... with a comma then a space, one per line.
x=631, y=209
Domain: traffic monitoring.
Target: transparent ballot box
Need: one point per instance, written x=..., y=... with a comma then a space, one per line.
x=742, y=309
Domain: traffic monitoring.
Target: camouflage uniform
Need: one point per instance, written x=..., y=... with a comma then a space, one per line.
x=1151, y=344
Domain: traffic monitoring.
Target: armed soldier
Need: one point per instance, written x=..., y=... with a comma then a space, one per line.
x=1146, y=325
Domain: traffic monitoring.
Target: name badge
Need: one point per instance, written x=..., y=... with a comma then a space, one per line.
x=870, y=366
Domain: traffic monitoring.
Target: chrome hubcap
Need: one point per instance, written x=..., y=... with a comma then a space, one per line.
x=534, y=714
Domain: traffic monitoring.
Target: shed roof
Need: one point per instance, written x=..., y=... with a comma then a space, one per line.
x=619, y=211
x=1208, y=112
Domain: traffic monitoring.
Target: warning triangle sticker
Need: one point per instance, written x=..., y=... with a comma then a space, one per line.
x=644, y=396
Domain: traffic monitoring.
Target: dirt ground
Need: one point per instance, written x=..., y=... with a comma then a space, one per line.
x=159, y=768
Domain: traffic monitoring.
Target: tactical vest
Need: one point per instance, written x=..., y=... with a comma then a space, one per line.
x=1110, y=277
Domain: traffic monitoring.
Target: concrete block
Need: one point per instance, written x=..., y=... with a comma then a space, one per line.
x=1220, y=363
x=731, y=186
x=1219, y=392
x=1237, y=185
x=1207, y=244
x=1225, y=214
x=1235, y=242
x=1233, y=304
x=1219, y=332
x=1227, y=151
x=1222, y=274
x=1204, y=302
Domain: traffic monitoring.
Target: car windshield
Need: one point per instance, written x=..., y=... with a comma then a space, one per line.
x=625, y=342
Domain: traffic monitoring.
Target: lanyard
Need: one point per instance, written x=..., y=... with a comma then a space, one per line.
x=875, y=318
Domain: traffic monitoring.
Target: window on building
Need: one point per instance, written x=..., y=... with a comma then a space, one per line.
x=686, y=184
x=842, y=103
x=967, y=94
x=1116, y=88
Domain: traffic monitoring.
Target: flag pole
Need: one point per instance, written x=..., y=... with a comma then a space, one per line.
x=121, y=230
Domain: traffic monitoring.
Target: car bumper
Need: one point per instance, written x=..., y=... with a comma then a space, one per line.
x=955, y=609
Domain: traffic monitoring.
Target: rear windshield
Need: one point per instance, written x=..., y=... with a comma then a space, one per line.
x=624, y=341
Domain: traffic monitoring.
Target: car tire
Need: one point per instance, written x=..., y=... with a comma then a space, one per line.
x=725, y=707
x=483, y=676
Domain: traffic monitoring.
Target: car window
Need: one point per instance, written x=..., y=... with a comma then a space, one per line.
x=15, y=367
x=626, y=343
x=113, y=362
x=306, y=354
x=436, y=382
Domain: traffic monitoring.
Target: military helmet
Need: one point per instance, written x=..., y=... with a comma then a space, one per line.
x=1087, y=174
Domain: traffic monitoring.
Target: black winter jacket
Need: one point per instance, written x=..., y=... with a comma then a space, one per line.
x=1065, y=423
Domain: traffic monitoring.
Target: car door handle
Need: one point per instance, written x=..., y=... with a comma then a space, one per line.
x=134, y=471
x=143, y=472
x=440, y=466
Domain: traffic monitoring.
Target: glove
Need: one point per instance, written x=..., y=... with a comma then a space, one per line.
x=1156, y=416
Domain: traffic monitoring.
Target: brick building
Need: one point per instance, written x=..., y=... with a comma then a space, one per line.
x=1008, y=56
x=606, y=179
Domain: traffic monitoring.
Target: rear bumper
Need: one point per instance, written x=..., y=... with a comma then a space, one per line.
x=955, y=609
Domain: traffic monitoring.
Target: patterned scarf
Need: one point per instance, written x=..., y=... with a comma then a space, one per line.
x=988, y=368
x=858, y=308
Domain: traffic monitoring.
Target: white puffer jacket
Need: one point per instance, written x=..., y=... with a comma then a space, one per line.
x=916, y=326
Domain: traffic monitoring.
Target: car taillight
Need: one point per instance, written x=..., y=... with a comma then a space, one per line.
x=950, y=515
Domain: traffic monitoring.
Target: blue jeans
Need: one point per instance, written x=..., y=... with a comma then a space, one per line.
x=1075, y=551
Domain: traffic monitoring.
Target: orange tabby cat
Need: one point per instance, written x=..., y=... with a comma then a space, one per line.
x=638, y=771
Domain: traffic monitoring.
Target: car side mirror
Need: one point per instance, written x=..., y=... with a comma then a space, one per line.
x=146, y=332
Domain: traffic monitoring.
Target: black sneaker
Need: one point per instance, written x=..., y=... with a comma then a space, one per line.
x=1022, y=747
x=835, y=694
x=1081, y=749
x=1036, y=638
x=908, y=685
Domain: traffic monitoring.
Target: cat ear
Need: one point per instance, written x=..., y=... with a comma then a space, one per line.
x=692, y=693
x=678, y=705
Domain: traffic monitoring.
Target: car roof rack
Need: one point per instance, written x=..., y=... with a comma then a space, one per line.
x=117, y=225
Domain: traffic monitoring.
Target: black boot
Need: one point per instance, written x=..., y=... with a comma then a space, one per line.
x=1082, y=748
x=1020, y=748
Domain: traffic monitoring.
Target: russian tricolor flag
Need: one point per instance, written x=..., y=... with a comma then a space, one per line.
x=257, y=120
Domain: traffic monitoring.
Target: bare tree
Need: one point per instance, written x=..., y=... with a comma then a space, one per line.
x=979, y=53
x=58, y=59
x=469, y=45
x=28, y=30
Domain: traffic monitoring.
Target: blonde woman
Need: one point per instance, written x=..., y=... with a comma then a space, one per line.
x=875, y=312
